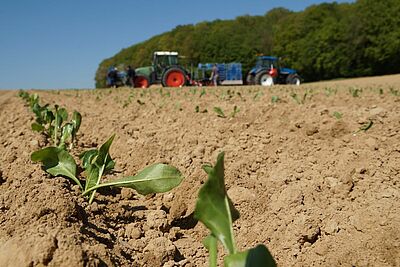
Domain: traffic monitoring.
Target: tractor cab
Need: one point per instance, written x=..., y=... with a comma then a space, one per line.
x=267, y=62
x=163, y=60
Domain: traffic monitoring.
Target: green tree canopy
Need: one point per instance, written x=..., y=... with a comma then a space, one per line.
x=324, y=41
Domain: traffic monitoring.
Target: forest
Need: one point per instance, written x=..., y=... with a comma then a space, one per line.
x=325, y=41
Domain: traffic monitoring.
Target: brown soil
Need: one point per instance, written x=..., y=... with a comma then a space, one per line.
x=311, y=187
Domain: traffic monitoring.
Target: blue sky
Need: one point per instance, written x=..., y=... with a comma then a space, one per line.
x=51, y=44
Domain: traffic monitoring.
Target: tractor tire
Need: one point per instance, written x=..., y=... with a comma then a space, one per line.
x=263, y=78
x=250, y=79
x=141, y=81
x=174, y=77
x=293, y=79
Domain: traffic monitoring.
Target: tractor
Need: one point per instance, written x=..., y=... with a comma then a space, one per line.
x=268, y=72
x=164, y=70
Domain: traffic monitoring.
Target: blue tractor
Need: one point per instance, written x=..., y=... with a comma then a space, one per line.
x=268, y=72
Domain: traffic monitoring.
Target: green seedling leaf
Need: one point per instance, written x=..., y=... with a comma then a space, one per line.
x=304, y=97
x=76, y=122
x=104, y=157
x=366, y=126
x=40, y=113
x=66, y=133
x=296, y=98
x=37, y=127
x=337, y=115
x=203, y=92
x=57, y=125
x=96, y=163
x=24, y=95
x=37, y=110
x=275, y=99
x=219, y=112
x=235, y=111
x=33, y=99
x=211, y=244
x=60, y=115
x=157, y=178
x=394, y=91
x=87, y=157
x=57, y=161
x=63, y=114
x=329, y=91
x=214, y=208
x=48, y=116
x=258, y=256
x=258, y=95
x=354, y=91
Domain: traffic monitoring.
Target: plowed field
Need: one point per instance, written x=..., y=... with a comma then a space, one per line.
x=309, y=184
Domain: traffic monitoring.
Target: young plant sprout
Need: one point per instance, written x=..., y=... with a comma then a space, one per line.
x=337, y=115
x=354, y=91
x=96, y=162
x=366, y=126
x=258, y=95
x=235, y=111
x=50, y=122
x=220, y=112
x=216, y=211
x=203, y=92
x=297, y=99
x=275, y=99
x=157, y=178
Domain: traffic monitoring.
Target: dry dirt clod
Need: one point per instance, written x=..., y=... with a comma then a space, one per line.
x=178, y=209
x=311, y=237
x=127, y=193
x=159, y=251
x=157, y=219
x=133, y=231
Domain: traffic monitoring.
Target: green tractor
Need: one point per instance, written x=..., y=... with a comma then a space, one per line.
x=164, y=70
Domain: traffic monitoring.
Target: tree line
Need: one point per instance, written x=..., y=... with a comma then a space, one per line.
x=324, y=41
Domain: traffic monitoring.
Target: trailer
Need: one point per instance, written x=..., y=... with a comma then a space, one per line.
x=229, y=73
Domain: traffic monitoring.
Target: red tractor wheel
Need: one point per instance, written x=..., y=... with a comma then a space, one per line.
x=174, y=77
x=142, y=81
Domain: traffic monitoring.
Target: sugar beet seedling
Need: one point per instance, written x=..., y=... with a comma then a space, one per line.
x=156, y=178
x=216, y=211
x=50, y=122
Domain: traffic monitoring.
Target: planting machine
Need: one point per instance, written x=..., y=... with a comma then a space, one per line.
x=268, y=72
x=229, y=74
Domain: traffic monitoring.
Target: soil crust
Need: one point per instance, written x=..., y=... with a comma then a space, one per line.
x=309, y=184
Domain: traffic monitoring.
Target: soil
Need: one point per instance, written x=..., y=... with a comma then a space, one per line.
x=309, y=184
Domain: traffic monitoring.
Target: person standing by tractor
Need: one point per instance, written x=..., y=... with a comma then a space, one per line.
x=110, y=80
x=214, y=75
x=112, y=77
x=131, y=74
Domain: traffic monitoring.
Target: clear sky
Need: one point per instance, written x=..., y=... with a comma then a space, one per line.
x=59, y=43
